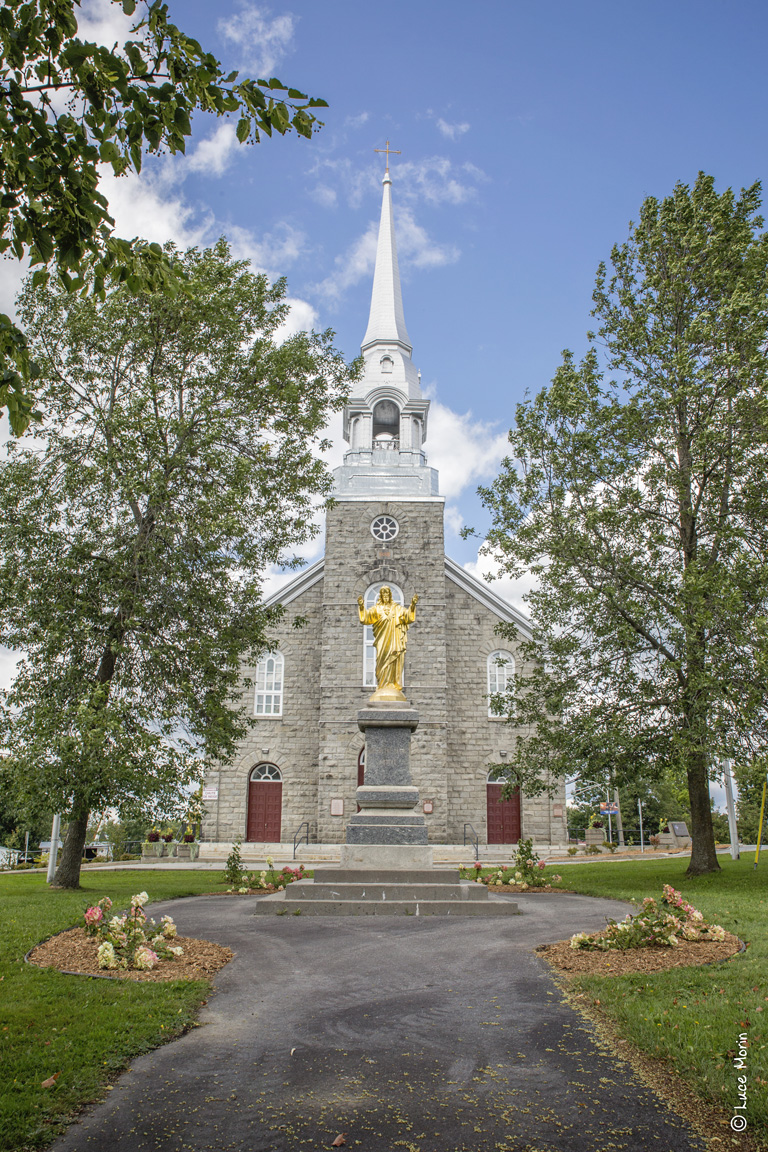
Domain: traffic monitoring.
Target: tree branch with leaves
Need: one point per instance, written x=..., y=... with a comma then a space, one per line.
x=636, y=495
x=121, y=103
x=179, y=458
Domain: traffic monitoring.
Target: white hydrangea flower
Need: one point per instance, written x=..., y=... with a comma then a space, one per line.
x=139, y=900
x=106, y=956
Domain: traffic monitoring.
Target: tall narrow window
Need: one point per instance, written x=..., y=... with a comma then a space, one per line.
x=501, y=675
x=369, y=652
x=269, y=685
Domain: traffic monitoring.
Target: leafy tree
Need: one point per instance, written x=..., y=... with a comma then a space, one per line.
x=69, y=105
x=750, y=776
x=638, y=500
x=177, y=461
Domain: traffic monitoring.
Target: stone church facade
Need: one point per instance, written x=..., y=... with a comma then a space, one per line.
x=304, y=759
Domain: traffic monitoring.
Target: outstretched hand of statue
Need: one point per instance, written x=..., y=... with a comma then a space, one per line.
x=414, y=602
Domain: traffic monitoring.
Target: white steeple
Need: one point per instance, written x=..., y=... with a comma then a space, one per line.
x=386, y=322
x=385, y=422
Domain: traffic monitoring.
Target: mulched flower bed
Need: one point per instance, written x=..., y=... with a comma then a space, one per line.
x=618, y=962
x=75, y=952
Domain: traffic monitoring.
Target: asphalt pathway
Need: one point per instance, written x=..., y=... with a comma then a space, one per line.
x=423, y=1034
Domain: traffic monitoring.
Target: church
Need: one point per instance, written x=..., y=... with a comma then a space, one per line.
x=301, y=763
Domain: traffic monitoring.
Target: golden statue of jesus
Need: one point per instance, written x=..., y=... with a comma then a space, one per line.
x=390, y=623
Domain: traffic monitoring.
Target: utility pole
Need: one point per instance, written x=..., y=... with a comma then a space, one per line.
x=640, y=810
x=733, y=830
x=54, y=852
x=619, y=821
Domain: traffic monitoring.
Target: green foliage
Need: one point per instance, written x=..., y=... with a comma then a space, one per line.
x=692, y=1017
x=234, y=871
x=750, y=776
x=178, y=461
x=657, y=925
x=636, y=497
x=121, y=103
x=89, y=1030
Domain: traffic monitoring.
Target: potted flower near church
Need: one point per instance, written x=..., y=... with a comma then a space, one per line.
x=187, y=848
x=153, y=845
x=594, y=834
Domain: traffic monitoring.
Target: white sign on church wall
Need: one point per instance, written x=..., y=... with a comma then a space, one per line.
x=210, y=793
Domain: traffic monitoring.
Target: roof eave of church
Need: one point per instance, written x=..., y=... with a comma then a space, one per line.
x=481, y=592
x=301, y=583
x=386, y=321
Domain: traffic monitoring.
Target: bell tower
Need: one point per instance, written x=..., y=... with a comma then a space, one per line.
x=385, y=526
x=385, y=422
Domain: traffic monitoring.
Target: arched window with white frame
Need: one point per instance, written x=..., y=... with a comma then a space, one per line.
x=369, y=652
x=269, y=685
x=501, y=675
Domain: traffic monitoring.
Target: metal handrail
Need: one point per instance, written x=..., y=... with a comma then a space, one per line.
x=473, y=839
x=298, y=836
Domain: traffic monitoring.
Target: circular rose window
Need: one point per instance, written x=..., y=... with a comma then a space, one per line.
x=384, y=528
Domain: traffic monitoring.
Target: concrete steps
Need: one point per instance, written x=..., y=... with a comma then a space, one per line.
x=394, y=892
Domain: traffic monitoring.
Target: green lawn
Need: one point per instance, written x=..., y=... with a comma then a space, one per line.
x=693, y=1017
x=87, y=1030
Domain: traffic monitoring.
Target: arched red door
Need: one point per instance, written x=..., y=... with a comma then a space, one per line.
x=503, y=815
x=265, y=804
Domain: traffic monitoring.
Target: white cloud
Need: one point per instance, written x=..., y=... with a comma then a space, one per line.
x=415, y=249
x=452, y=131
x=151, y=206
x=438, y=181
x=104, y=22
x=214, y=154
x=435, y=179
x=272, y=252
x=261, y=40
x=12, y=273
x=356, y=121
x=324, y=195
x=8, y=662
x=352, y=266
x=454, y=519
x=301, y=318
x=464, y=450
x=513, y=590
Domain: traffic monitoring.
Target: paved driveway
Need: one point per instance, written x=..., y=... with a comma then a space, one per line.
x=422, y=1034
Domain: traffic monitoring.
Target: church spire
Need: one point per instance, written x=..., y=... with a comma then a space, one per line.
x=385, y=420
x=386, y=322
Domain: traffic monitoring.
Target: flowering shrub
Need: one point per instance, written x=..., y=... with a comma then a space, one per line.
x=130, y=939
x=527, y=871
x=659, y=925
x=268, y=881
x=153, y=836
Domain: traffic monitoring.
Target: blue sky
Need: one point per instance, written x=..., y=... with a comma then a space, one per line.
x=530, y=134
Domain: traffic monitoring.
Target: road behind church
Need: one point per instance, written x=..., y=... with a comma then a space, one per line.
x=426, y=1034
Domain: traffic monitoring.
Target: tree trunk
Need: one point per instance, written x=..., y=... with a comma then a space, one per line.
x=68, y=871
x=703, y=854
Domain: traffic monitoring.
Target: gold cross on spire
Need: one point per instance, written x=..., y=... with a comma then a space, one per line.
x=394, y=151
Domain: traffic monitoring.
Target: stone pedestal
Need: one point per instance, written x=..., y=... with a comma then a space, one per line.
x=387, y=832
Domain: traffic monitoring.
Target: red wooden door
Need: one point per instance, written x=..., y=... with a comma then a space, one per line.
x=503, y=816
x=265, y=809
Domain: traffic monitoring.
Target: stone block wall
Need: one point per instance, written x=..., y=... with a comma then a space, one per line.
x=354, y=560
x=290, y=741
x=316, y=742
